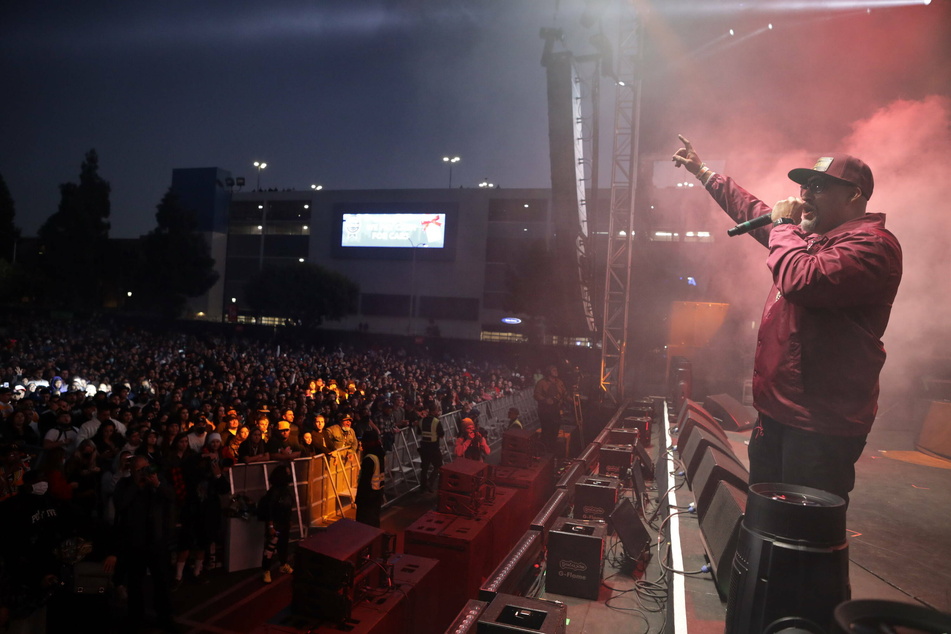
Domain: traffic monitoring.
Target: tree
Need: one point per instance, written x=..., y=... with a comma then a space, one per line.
x=302, y=292
x=73, y=240
x=176, y=260
x=9, y=232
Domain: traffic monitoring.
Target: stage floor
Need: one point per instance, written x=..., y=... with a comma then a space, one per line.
x=899, y=541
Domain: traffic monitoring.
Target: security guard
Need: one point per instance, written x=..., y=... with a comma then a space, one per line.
x=370, y=483
x=514, y=422
x=431, y=432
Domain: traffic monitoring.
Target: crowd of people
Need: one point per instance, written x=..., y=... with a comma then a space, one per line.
x=105, y=422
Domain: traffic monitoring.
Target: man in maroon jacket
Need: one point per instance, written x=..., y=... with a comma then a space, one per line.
x=836, y=271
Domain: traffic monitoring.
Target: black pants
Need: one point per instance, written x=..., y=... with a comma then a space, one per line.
x=155, y=560
x=550, y=420
x=779, y=453
x=429, y=456
x=280, y=549
x=369, y=507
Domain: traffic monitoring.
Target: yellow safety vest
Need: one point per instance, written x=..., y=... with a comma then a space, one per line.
x=430, y=434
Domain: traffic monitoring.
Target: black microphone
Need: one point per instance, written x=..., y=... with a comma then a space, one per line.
x=749, y=225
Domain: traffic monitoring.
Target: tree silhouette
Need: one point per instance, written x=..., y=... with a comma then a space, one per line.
x=9, y=232
x=74, y=239
x=176, y=261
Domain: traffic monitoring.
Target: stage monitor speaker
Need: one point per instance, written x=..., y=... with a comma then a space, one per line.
x=692, y=452
x=732, y=414
x=714, y=467
x=935, y=435
x=575, y=558
x=719, y=530
x=689, y=406
x=699, y=418
x=628, y=525
x=509, y=614
x=792, y=560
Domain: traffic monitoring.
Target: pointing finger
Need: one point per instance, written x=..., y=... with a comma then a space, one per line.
x=685, y=142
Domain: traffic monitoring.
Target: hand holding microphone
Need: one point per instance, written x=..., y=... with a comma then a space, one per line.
x=790, y=208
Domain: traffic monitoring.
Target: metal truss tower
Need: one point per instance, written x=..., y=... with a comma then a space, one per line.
x=617, y=278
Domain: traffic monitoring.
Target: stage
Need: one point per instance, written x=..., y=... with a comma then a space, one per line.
x=898, y=538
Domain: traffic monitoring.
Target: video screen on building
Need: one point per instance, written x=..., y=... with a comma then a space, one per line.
x=393, y=230
x=399, y=230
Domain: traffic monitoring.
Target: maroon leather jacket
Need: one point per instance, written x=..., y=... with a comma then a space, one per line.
x=819, y=350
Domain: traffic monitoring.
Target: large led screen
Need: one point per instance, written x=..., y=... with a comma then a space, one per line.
x=393, y=230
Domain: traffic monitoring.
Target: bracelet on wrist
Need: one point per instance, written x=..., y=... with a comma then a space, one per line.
x=783, y=221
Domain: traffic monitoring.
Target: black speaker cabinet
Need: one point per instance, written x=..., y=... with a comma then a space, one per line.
x=715, y=466
x=463, y=476
x=464, y=504
x=575, y=558
x=622, y=436
x=641, y=407
x=643, y=425
x=595, y=497
x=691, y=415
x=615, y=460
x=509, y=614
x=520, y=440
x=336, y=568
x=696, y=446
x=333, y=557
x=732, y=414
x=719, y=529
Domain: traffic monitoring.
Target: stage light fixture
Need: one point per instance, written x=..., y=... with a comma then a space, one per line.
x=792, y=560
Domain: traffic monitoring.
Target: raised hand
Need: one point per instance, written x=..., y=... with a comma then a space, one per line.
x=687, y=157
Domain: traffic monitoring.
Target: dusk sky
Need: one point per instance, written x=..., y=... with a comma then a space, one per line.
x=372, y=94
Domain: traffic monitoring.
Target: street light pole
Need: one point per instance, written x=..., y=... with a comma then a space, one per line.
x=263, y=227
x=412, y=285
x=451, y=161
x=260, y=166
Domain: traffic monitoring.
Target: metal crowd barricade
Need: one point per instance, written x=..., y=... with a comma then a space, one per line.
x=325, y=486
x=493, y=417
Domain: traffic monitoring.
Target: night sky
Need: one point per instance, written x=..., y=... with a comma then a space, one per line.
x=373, y=93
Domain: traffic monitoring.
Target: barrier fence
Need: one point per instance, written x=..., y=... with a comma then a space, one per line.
x=325, y=486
